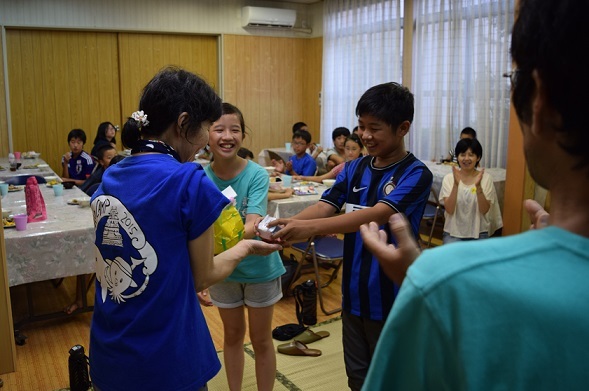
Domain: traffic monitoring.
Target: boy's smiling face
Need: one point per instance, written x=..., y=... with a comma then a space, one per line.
x=381, y=140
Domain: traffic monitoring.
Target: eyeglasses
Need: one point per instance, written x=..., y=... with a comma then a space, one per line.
x=513, y=75
x=299, y=143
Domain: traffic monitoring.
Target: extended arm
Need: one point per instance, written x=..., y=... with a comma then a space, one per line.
x=318, y=219
x=208, y=270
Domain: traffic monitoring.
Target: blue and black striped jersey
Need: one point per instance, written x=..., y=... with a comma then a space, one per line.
x=405, y=187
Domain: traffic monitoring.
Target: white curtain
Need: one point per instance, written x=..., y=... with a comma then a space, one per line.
x=460, y=51
x=362, y=43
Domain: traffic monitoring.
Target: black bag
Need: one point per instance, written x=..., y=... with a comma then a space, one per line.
x=287, y=331
x=306, y=298
x=290, y=264
x=78, y=369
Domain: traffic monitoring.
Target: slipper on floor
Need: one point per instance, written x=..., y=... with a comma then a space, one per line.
x=296, y=348
x=309, y=336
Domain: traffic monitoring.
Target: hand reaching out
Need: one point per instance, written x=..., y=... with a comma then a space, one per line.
x=394, y=261
x=538, y=216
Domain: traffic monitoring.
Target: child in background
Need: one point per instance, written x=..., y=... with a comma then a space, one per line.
x=467, y=132
x=77, y=165
x=352, y=149
x=245, y=153
x=104, y=154
x=105, y=135
x=391, y=180
x=255, y=284
x=301, y=163
x=336, y=154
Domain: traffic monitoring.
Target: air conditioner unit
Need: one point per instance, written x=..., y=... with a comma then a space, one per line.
x=268, y=17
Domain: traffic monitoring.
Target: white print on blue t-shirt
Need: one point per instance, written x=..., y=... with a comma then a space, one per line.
x=120, y=251
x=78, y=166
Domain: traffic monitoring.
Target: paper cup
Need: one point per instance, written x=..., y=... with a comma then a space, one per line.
x=3, y=189
x=287, y=146
x=20, y=221
x=58, y=190
x=286, y=181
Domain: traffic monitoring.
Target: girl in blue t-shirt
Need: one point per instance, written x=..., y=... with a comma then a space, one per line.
x=255, y=283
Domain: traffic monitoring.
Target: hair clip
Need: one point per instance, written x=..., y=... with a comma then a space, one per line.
x=141, y=118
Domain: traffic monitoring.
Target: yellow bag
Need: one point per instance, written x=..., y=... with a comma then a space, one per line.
x=229, y=229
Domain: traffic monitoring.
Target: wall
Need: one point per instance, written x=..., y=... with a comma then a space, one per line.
x=275, y=82
x=221, y=20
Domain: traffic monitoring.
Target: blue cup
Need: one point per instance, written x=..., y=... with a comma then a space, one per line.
x=58, y=190
x=286, y=180
x=3, y=188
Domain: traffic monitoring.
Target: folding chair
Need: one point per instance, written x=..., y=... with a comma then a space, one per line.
x=432, y=211
x=326, y=252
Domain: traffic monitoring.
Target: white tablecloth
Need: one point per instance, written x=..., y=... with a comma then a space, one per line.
x=60, y=246
x=439, y=171
x=291, y=206
x=5, y=172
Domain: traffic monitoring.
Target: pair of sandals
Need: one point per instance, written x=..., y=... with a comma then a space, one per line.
x=298, y=347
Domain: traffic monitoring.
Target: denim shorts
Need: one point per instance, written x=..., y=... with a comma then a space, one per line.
x=227, y=294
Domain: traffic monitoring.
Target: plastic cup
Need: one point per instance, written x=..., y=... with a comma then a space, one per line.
x=17, y=155
x=4, y=189
x=58, y=190
x=287, y=146
x=20, y=221
x=286, y=180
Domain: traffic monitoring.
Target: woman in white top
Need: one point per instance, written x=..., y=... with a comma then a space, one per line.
x=469, y=198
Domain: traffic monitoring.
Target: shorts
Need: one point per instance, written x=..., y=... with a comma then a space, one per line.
x=228, y=294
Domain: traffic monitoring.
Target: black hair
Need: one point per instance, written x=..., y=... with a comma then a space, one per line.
x=229, y=109
x=355, y=129
x=547, y=36
x=388, y=102
x=469, y=143
x=341, y=131
x=245, y=153
x=101, y=133
x=171, y=92
x=115, y=160
x=297, y=126
x=354, y=137
x=305, y=135
x=470, y=131
x=77, y=133
x=102, y=149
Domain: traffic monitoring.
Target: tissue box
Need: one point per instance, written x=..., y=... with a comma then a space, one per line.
x=265, y=232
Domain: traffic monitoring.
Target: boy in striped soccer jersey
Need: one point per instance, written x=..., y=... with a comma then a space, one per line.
x=389, y=180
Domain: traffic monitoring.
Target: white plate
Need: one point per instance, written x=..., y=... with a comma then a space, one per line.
x=82, y=201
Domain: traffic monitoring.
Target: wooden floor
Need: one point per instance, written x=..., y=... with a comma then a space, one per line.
x=42, y=360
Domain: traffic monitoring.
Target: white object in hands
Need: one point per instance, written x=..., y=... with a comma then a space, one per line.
x=265, y=232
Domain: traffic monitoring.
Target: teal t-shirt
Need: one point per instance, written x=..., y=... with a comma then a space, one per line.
x=251, y=186
x=501, y=314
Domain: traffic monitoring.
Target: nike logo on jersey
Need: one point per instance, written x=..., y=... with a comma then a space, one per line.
x=355, y=189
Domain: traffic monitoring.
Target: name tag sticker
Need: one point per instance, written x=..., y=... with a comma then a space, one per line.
x=354, y=207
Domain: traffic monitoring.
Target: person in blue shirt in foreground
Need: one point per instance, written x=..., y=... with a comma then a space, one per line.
x=507, y=313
